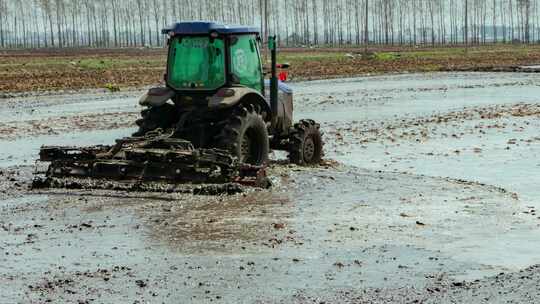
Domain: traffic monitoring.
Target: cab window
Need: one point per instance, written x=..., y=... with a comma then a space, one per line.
x=246, y=62
x=197, y=63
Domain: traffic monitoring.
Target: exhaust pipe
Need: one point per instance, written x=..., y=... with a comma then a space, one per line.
x=273, y=78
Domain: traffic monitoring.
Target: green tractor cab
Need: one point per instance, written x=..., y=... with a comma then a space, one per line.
x=216, y=96
x=206, y=56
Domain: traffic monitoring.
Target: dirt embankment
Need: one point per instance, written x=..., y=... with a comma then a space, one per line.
x=57, y=70
x=48, y=70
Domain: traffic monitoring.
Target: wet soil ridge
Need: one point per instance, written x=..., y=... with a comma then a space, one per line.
x=107, y=121
x=14, y=181
x=511, y=69
x=502, y=288
x=71, y=284
x=66, y=124
x=348, y=95
x=420, y=129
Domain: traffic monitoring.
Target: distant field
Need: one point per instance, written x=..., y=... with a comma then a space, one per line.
x=70, y=69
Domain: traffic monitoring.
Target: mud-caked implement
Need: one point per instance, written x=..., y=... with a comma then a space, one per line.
x=214, y=122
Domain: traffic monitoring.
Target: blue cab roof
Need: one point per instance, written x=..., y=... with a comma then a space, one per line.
x=205, y=27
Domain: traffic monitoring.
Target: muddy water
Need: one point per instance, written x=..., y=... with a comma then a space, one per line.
x=436, y=180
x=393, y=98
x=501, y=151
x=32, y=108
x=23, y=151
x=514, y=166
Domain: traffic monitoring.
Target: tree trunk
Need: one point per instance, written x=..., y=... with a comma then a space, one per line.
x=3, y=11
x=512, y=34
x=466, y=31
x=51, y=28
x=366, y=27
x=527, y=20
x=432, y=19
x=114, y=6
x=315, y=23
x=58, y=30
x=141, y=22
x=156, y=21
x=414, y=22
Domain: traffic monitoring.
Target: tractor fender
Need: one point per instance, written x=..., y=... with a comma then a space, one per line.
x=230, y=97
x=156, y=97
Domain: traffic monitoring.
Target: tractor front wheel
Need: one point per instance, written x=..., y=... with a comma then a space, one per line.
x=245, y=136
x=305, y=143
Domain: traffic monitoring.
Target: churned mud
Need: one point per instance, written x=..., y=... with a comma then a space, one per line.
x=428, y=195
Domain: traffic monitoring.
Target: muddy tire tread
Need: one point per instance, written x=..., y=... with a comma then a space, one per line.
x=301, y=131
x=229, y=138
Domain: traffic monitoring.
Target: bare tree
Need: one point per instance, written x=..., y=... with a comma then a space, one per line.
x=494, y=21
x=466, y=31
x=366, y=26
x=114, y=9
x=157, y=10
x=140, y=8
x=3, y=13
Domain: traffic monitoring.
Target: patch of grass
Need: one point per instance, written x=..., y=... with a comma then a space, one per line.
x=474, y=51
x=386, y=56
x=300, y=57
x=95, y=64
x=112, y=87
x=436, y=53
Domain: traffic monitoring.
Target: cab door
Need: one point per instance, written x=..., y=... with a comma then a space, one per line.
x=246, y=62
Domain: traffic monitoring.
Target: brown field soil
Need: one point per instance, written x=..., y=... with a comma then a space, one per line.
x=75, y=69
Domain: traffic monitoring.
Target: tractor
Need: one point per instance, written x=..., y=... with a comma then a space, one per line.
x=216, y=96
x=214, y=121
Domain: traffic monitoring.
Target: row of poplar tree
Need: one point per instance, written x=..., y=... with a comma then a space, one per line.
x=130, y=23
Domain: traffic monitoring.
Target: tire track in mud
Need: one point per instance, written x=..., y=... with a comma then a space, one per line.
x=458, y=181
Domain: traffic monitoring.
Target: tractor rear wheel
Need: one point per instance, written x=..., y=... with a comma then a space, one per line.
x=305, y=143
x=245, y=136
